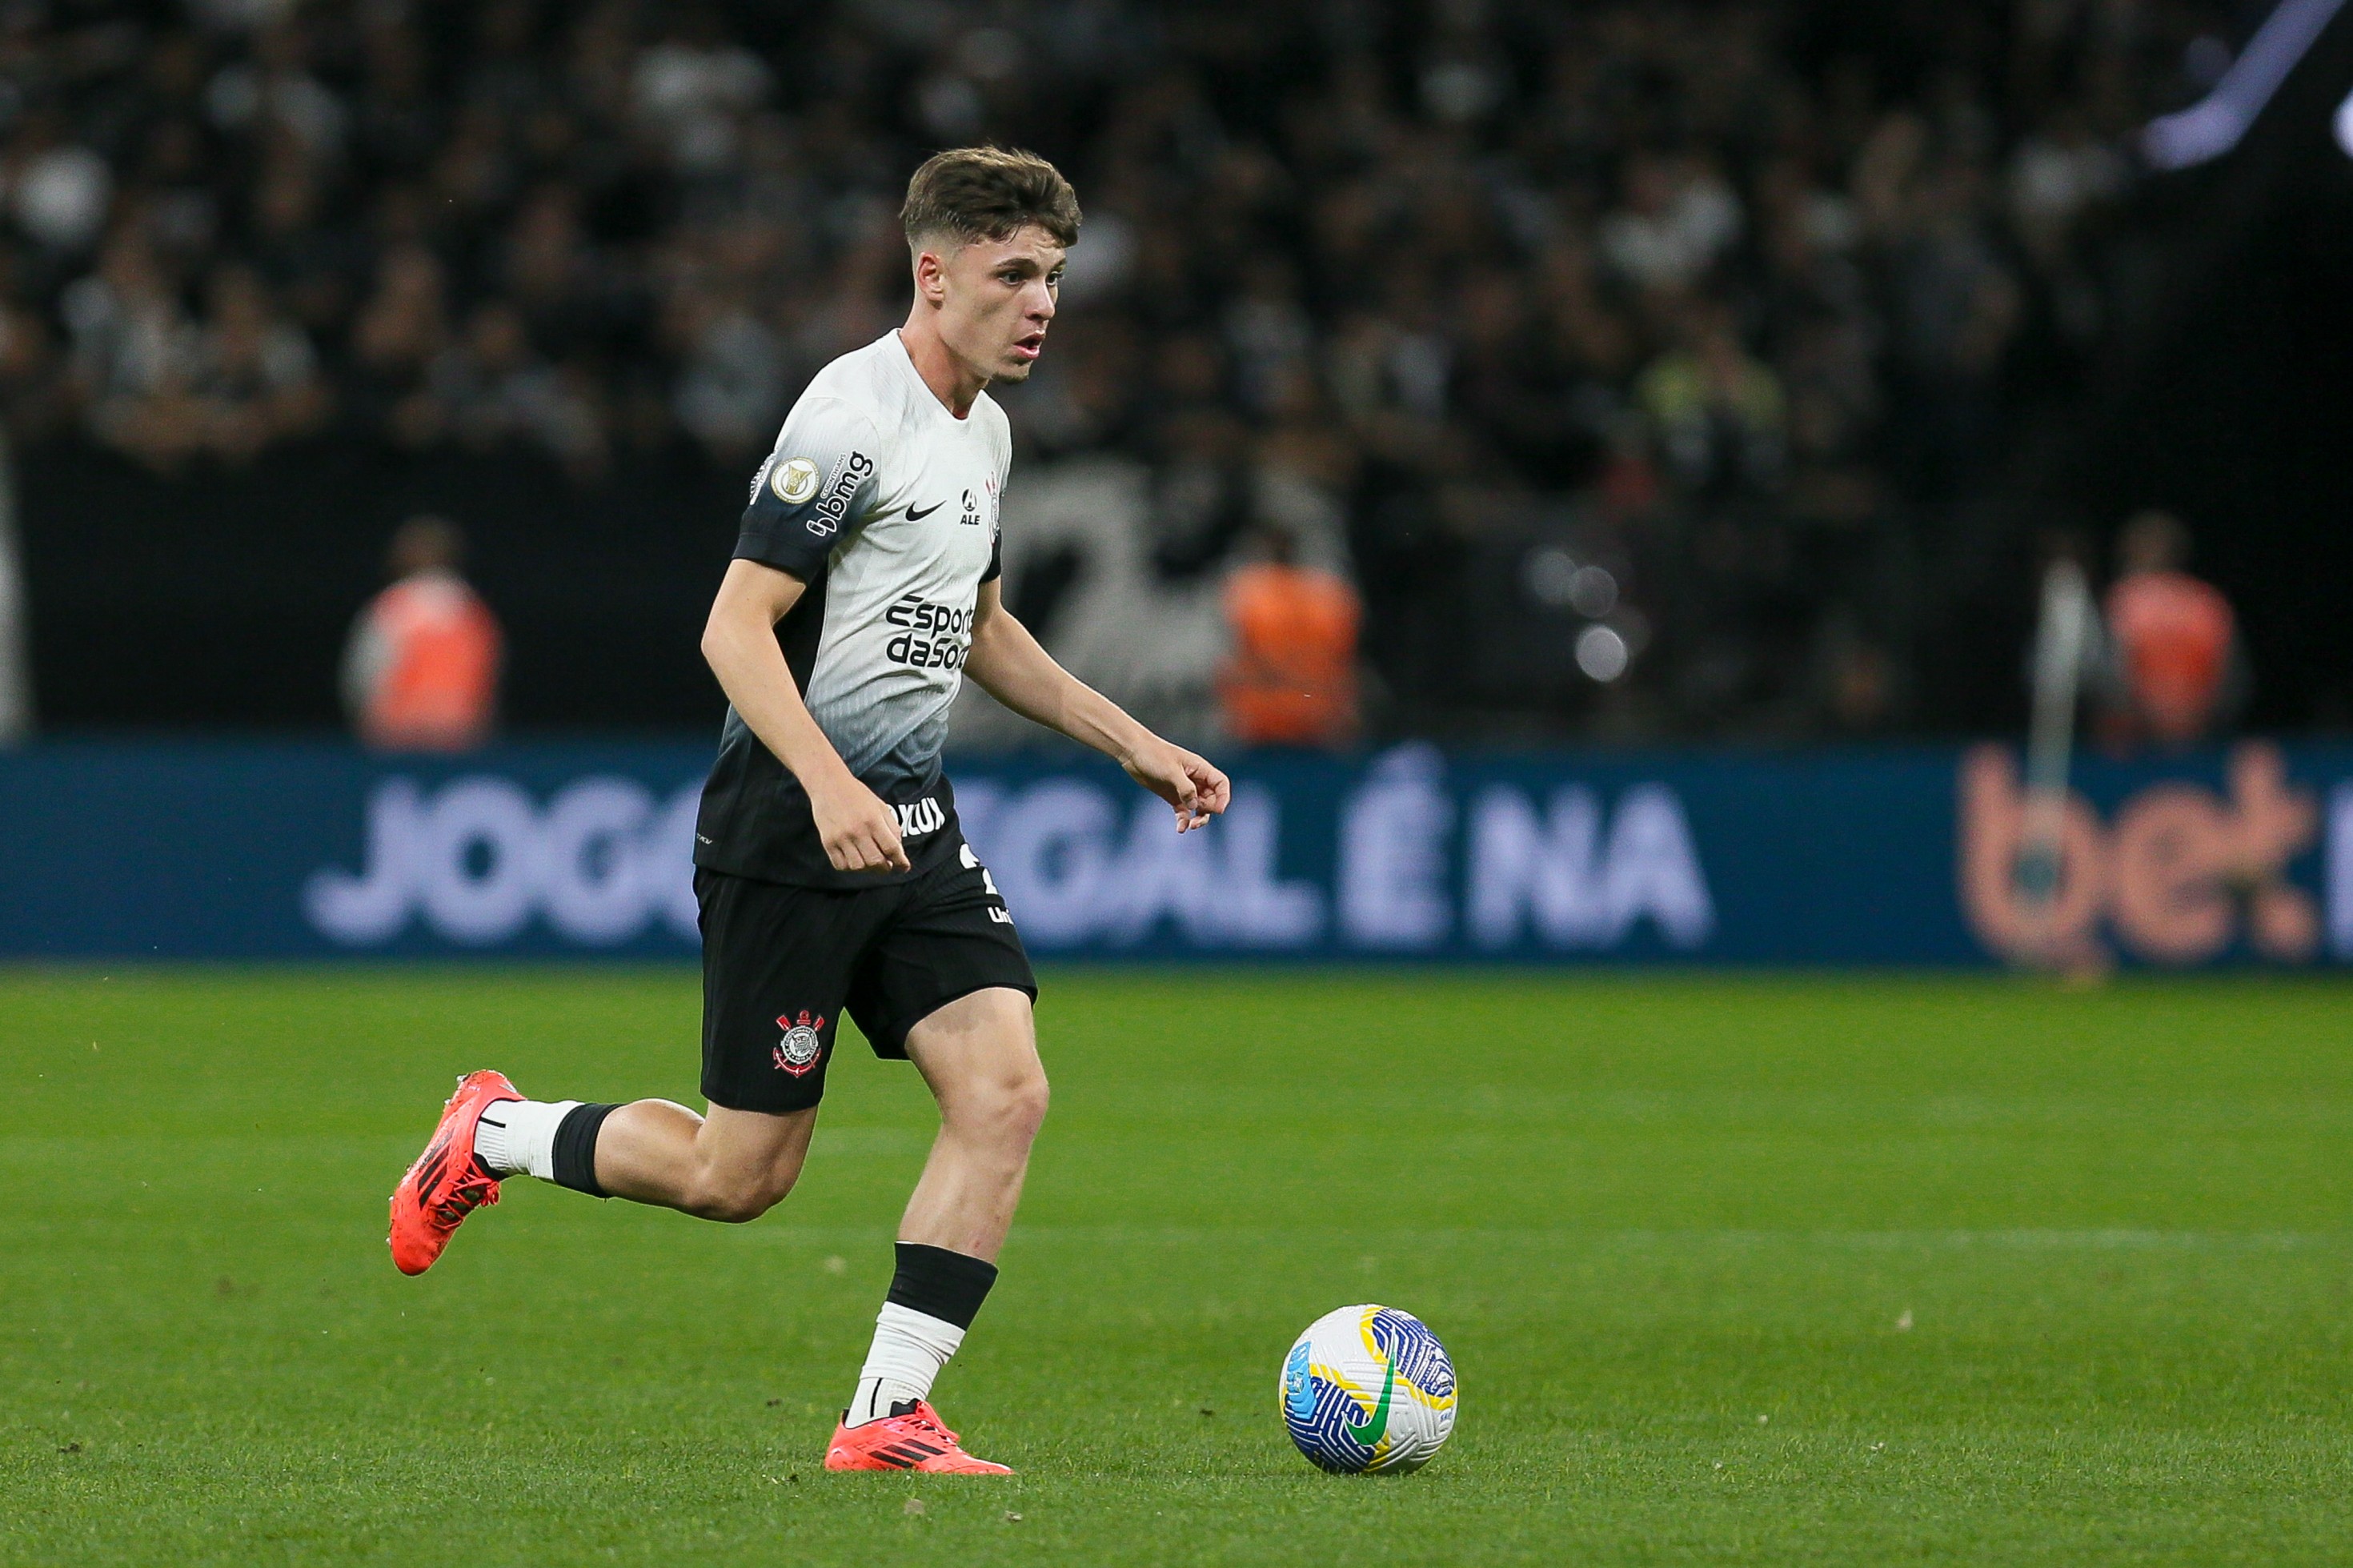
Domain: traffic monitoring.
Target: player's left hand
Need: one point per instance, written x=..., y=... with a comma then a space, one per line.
x=1189, y=783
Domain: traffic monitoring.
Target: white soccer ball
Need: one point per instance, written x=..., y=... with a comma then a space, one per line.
x=1368, y=1389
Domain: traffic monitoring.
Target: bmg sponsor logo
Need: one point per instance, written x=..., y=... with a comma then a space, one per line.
x=825, y=520
x=604, y=861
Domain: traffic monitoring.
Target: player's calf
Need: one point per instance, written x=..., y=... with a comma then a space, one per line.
x=979, y=1058
x=732, y=1166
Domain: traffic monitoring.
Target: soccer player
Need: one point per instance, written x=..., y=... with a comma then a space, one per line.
x=829, y=867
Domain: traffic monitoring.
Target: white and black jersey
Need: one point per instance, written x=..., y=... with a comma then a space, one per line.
x=886, y=505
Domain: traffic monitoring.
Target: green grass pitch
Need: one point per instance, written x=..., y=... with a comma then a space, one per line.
x=1734, y=1270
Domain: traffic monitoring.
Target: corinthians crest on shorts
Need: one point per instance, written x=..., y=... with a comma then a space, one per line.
x=798, y=1051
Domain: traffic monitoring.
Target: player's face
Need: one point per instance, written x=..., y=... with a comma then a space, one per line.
x=1000, y=296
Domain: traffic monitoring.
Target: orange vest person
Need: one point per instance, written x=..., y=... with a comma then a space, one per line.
x=1292, y=678
x=421, y=672
x=2171, y=634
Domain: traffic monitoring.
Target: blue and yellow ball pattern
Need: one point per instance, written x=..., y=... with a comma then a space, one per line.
x=1368, y=1389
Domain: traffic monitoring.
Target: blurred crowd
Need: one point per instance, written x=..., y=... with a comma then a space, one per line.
x=1632, y=360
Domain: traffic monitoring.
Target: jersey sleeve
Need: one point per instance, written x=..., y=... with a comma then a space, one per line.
x=814, y=490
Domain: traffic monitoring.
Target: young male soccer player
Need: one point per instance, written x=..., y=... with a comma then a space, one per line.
x=830, y=866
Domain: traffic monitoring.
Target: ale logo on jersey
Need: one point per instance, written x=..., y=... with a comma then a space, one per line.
x=798, y=1051
x=793, y=481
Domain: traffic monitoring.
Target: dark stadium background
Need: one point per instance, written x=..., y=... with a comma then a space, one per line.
x=2178, y=340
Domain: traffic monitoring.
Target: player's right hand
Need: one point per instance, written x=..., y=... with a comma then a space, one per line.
x=859, y=832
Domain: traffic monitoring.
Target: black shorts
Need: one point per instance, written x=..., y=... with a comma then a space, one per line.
x=779, y=964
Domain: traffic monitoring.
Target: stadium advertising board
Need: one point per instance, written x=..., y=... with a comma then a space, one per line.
x=1848, y=857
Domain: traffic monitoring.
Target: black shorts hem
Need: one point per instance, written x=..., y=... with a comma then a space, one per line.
x=811, y=1103
x=894, y=1048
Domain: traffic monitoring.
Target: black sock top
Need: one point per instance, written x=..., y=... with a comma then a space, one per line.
x=575, y=1148
x=941, y=1284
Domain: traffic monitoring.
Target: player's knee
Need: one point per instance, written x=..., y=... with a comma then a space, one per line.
x=739, y=1199
x=1030, y=1099
x=1011, y=1106
x=735, y=1207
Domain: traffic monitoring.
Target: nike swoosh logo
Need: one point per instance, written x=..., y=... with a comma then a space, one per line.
x=1371, y=1431
x=915, y=516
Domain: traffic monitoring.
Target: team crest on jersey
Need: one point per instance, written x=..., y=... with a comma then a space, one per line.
x=793, y=480
x=798, y=1051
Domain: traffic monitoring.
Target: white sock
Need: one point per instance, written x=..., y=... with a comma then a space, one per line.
x=517, y=1138
x=910, y=1348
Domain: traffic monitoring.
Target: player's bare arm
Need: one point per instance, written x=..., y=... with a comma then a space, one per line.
x=740, y=642
x=1013, y=667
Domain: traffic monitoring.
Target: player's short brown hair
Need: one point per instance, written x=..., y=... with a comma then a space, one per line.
x=988, y=193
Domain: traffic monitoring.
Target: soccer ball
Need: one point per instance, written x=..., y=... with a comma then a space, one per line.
x=1366, y=1389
